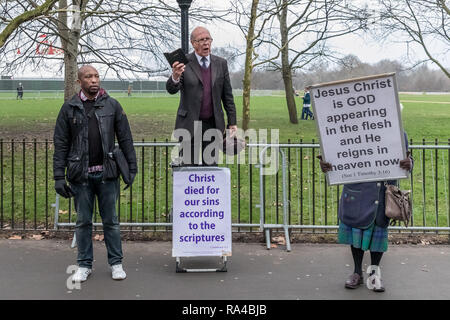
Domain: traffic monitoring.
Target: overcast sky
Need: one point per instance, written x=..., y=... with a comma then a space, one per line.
x=365, y=47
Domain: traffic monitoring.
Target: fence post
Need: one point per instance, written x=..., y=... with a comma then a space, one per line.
x=1, y=183
x=301, y=184
x=436, y=191
x=423, y=184
x=12, y=184
x=412, y=185
x=313, y=185
x=46, y=184
x=35, y=181
x=143, y=182
x=23, y=184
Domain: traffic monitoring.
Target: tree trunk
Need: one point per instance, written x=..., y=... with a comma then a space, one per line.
x=70, y=39
x=70, y=73
x=286, y=70
x=248, y=69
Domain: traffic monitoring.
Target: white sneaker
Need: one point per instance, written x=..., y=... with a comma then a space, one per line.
x=117, y=272
x=81, y=274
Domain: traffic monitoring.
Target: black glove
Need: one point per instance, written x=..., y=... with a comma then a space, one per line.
x=132, y=176
x=63, y=189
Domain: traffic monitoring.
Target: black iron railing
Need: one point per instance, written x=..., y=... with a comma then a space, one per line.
x=27, y=194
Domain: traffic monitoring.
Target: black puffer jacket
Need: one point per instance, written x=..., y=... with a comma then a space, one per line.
x=71, y=139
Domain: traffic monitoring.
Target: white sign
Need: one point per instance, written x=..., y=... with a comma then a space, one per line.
x=201, y=212
x=360, y=129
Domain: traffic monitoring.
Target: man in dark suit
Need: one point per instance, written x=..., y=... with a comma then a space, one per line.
x=204, y=85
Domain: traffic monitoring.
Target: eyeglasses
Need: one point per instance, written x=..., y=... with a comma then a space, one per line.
x=204, y=40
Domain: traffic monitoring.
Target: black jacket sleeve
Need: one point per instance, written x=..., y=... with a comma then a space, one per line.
x=124, y=137
x=61, y=141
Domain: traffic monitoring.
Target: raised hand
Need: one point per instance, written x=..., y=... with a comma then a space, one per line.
x=177, y=70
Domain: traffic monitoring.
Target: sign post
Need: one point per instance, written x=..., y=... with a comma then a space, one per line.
x=201, y=213
x=360, y=129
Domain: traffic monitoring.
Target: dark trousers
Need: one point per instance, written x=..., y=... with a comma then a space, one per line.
x=307, y=111
x=194, y=159
x=107, y=193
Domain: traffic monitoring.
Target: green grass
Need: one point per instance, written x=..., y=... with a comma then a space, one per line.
x=153, y=119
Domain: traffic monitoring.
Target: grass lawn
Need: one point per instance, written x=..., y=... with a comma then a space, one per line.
x=312, y=202
x=424, y=117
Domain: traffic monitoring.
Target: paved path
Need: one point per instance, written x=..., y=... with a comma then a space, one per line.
x=31, y=269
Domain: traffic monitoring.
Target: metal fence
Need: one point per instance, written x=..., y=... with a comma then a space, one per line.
x=27, y=197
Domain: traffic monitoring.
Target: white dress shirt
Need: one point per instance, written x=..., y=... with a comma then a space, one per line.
x=200, y=62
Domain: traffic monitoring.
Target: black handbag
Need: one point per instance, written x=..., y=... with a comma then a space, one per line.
x=122, y=165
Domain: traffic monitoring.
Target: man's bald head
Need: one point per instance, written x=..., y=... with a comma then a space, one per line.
x=201, y=41
x=197, y=31
x=89, y=80
x=84, y=69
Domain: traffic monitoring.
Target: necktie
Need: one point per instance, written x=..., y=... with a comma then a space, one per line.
x=204, y=62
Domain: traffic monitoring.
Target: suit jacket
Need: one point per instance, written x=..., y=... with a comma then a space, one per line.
x=191, y=92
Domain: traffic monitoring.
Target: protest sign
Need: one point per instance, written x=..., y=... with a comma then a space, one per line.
x=201, y=212
x=360, y=129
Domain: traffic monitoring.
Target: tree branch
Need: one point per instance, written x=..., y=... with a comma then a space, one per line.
x=24, y=17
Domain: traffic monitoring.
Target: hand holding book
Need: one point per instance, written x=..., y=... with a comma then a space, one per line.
x=176, y=56
x=177, y=60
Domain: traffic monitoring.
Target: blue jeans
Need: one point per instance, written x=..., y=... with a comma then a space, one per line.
x=306, y=111
x=107, y=193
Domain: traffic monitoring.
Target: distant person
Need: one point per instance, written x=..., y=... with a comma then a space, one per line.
x=363, y=223
x=84, y=139
x=129, y=90
x=306, y=111
x=204, y=86
x=19, y=91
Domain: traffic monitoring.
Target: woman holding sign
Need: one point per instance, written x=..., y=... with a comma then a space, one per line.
x=363, y=224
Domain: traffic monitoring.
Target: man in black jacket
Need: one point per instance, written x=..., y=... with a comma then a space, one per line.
x=84, y=140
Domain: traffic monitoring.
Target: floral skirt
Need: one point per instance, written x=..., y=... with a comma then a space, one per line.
x=373, y=238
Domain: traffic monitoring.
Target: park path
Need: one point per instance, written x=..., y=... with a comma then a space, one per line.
x=31, y=269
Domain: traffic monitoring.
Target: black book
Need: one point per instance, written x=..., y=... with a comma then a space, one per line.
x=177, y=55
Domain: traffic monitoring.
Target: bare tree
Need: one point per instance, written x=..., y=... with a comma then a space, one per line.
x=228, y=53
x=422, y=22
x=301, y=34
x=252, y=21
x=128, y=37
x=249, y=33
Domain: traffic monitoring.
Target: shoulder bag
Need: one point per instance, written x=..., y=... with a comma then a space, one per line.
x=398, y=204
